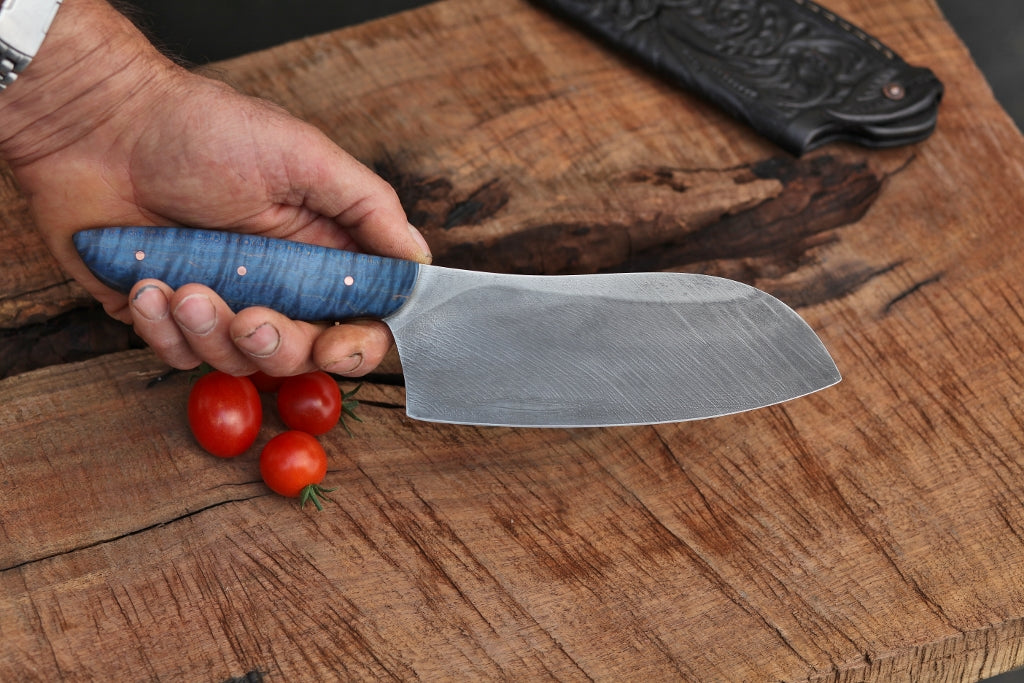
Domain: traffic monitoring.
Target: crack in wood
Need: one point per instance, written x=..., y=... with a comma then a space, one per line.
x=78, y=334
x=913, y=289
x=128, y=534
x=390, y=379
x=818, y=196
x=383, y=404
x=14, y=296
x=482, y=203
x=254, y=676
x=847, y=278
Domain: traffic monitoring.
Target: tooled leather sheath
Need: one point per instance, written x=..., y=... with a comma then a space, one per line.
x=797, y=73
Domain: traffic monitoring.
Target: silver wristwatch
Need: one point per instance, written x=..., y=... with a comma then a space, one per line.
x=23, y=25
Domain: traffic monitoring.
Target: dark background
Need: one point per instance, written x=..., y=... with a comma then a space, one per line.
x=200, y=31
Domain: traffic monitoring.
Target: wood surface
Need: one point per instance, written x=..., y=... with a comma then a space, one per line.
x=870, y=532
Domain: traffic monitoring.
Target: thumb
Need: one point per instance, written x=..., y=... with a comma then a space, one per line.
x=359, y=201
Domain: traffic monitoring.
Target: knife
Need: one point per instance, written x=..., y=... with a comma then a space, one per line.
x=799, y=74
x=508, y=350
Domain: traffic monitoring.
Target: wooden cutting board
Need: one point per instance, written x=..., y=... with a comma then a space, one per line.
x=873, y=531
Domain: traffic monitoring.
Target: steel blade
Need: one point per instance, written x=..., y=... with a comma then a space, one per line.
x=599, y=350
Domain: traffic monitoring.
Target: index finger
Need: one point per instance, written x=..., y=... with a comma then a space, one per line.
x=338, y=186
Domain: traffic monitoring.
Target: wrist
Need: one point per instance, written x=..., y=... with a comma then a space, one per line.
x=91, y=66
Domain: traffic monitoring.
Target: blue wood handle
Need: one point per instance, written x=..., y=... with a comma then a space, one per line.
x=302, y=281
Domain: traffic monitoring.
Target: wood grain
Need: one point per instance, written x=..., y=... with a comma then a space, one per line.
x=33, y=288
x=870, y=532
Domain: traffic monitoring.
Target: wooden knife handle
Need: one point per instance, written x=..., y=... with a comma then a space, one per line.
x=303, y=281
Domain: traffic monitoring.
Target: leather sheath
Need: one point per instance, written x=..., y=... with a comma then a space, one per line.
x=797, y=73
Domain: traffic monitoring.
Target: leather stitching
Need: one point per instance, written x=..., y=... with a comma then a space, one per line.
x=848, y=27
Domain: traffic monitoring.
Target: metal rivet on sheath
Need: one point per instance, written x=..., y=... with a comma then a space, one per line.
x=894, y=91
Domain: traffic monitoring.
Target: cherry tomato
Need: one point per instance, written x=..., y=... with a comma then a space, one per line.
x=265, y=384
x=224, y=413
x=310, y=403
x=293, y=464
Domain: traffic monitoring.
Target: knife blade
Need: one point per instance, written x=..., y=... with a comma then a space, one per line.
x=508, y=350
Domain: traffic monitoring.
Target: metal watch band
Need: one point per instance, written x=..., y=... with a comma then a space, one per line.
x=23, y=26
x=12, y=63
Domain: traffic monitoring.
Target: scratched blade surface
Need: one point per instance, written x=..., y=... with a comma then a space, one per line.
x=621, y=349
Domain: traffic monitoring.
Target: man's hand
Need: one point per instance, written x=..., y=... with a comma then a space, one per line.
x=102, y=130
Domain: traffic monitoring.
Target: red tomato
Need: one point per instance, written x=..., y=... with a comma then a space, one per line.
x=265, y=384
x=310, y=403
x=293, y=464
x=224, y=413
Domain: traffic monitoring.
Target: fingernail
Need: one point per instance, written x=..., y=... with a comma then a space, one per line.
x=345, y=365
x=422, y=242
x=150, y=303
x=196, y=314
x=261, y=342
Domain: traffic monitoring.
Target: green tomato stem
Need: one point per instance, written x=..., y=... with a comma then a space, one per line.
x=313, y=493
x=348, y=408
